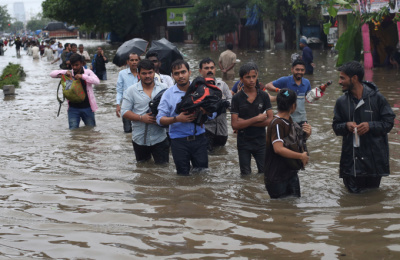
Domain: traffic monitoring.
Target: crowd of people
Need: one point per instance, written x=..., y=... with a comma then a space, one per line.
x=362, y=116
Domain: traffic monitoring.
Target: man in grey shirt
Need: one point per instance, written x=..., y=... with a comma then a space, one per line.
x=216, y=129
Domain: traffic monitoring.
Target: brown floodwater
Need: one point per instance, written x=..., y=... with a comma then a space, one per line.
x=80, y=195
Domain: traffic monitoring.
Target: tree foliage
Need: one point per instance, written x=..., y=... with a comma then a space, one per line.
x=120, y=16
x=224, y=15
x=210, y=17
x=17, y=26
x=5, y=18
x=37, y=23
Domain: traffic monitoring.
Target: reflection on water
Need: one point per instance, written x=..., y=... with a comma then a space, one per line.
x=79, y=194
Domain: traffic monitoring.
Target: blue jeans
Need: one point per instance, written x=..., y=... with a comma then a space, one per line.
x=102, y=75
x=75, y=115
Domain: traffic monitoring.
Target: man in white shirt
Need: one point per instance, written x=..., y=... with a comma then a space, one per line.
x=83, y=52
x=35, y=51
x=165, y=79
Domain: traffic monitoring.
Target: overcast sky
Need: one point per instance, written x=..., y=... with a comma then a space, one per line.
x=32, y=7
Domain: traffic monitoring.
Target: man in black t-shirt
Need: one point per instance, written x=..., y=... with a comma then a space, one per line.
x=99, y=64
x=251, y=112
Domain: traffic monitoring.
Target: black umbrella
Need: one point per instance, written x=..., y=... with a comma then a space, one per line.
x=135, y=45
x=167, y=53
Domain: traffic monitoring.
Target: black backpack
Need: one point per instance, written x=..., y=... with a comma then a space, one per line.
x=202, y=92
x=153, y=104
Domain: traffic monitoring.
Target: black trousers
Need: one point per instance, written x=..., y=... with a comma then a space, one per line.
x=186, y=151
x=127, y=125
x=358, y=184
x=160, y=152
x=283, y=189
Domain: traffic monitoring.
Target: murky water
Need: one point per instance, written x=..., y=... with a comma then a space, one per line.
x=80, y=195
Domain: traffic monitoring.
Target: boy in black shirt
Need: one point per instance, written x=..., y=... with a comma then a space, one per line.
x=249, y=119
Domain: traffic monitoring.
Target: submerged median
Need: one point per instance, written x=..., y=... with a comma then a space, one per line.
x=12, y=74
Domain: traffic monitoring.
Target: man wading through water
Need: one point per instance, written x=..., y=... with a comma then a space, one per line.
x=85, y=109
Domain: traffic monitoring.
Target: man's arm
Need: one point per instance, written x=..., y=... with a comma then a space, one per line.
x=230, y=67
x=91, y=78
x=270, y=87
x=120, y=91
x=386, y=116
x=57, y=73
x=340, y=125
x=265, y=123
x=239, y=123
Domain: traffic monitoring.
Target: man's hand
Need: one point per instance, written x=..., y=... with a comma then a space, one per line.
x=78, y=76
x=261, y=117
x=149, y=119
x=68, y=73
x=304, y=158
x=185, y=117
x=307, y=129
x=362, y=128
x=350, y=126
x=118, y=111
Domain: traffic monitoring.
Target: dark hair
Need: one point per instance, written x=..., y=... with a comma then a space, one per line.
x=80, y=45
x=152, y=54
x=66, y=45
x=246, y=68
x=73, y=45
x=205, y=61
x=178, y=63
x=352, y=68
x=285, y=99
x=229, y=46
x=75, y=58
x=146, y=65
x=298, y=61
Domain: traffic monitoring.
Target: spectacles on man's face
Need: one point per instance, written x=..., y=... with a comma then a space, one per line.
x=154, y=61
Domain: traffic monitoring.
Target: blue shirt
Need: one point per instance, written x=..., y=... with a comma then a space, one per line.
x=137, y=101
x=125, y=80
x=288, y=82
x=169, y=100
x=308, y=58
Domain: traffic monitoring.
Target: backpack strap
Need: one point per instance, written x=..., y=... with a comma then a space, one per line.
x=59, y=99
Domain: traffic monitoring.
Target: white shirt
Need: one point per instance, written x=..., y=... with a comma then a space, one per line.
x=35, y=52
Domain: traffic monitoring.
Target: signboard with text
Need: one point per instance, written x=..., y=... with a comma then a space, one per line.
x=176, y=16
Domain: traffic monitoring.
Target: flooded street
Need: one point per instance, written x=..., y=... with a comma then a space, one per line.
x=80, y=195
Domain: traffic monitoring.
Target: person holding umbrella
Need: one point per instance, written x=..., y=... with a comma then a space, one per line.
x=126, y=78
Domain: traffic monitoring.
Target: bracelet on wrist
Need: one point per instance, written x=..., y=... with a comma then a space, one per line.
x=276, y=89
x=140, y=118
x=175, y=120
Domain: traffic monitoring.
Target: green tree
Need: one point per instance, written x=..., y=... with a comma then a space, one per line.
x=5, y=18
x=17, y=26
x=37, y=23
x=210, y=17
x=120, y=16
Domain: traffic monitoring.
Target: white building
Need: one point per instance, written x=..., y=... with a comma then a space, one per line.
x=19, y=11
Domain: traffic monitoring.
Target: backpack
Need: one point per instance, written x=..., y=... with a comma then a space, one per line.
x=295, y=141
x=72, y=89
x=153, y=104
x=202, y=92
